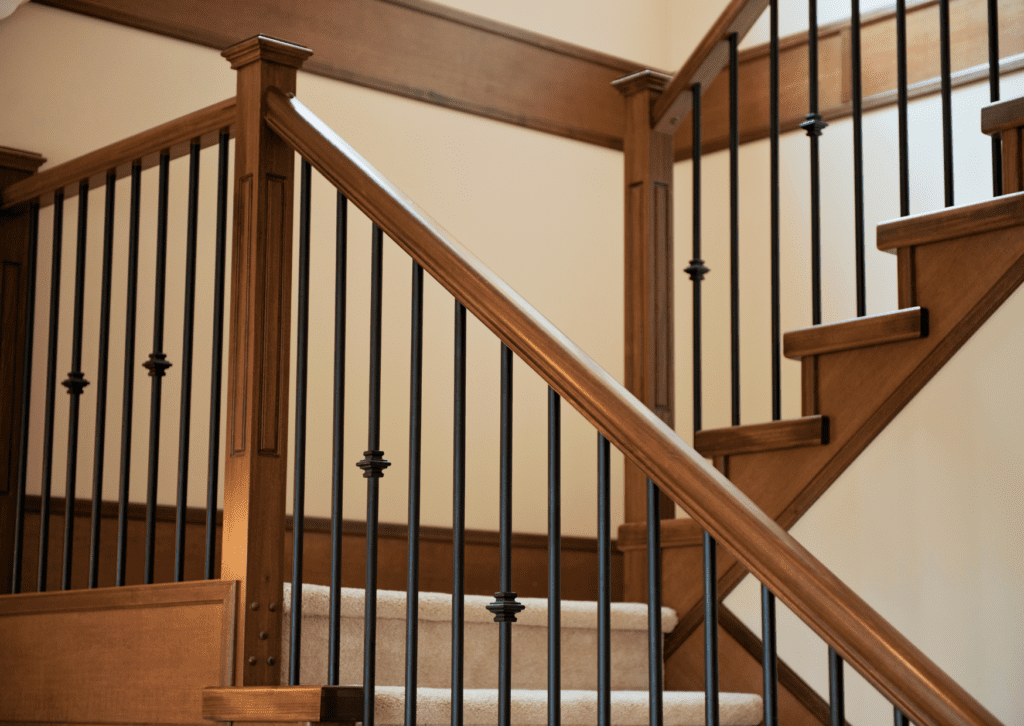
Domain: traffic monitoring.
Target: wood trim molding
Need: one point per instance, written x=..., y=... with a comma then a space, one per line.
x=863, y=332
x=770, y=436
x=281, y=704
x=1002, y=116
x=954, y=222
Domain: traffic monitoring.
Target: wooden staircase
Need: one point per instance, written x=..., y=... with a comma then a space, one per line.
x=955, y=268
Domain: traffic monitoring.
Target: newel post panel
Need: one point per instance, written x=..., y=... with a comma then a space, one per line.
x=649, y=338
x=15, y=271
x=260, y=320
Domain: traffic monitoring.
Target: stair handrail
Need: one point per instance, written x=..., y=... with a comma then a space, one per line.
x=885, y=657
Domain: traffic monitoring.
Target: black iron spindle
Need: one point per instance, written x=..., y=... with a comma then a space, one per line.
x=554, y=558
x=655, y=685
x=769, y=663
x=901, y=103
x=185, y=417
x=75, y=383
x=946, y=78
x=696, y=269
x=26, y=398
x=505, y=606
x=734, y=223
x=51, y=388
x=773, y=93
x=101, y=381
x=373, y=465
x=338, y=478
x=604, y=606
x=711, y=704
x=301, y=369
x=993, y=93
x=836, y=694
x=129, y=374
x=898, y=718
x=157, y=365
x=858, y=157
x=814, y=126
x=412, y=589
x=459, y=514
x=217, y=355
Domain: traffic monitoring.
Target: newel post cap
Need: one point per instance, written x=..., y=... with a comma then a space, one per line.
x=645, y=80
x=265, y=48
x=19, y=160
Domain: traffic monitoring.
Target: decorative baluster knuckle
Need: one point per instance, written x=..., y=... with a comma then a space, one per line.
x=813, y=125
x=374, y=464
x=75, y=383
x=157, y=365
x=505, y=608
x=697, y=270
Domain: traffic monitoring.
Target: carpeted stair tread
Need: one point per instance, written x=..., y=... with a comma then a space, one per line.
x=529, y=707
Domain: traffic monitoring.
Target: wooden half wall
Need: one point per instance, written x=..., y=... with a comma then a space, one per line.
x=439, y=55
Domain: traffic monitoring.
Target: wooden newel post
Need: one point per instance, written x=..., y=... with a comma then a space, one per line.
x=260, y=318
x=14, y=287
x=649, y=339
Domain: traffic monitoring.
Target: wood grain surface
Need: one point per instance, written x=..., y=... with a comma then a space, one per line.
x=857, y=333
x=770, y=436
x=1005, y=212
x=284, y=703
x=1002, y=116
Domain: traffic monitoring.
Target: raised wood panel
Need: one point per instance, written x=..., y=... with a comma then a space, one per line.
x=115, y=655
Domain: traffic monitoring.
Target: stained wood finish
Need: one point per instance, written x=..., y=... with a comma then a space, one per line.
x=256, y=451
x=312, y=704
x=176, y=136
x=15, y=166
x=1002, y=116
x=863, y=638
x=648, y=267
x=681, y=532
x=529, y=553
x=123, y=655
x=858, y=333
x=771, y=436
x=1013, y=160
x=1001, y=213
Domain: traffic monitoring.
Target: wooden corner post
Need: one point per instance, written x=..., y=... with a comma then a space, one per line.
x=649, y=335
x=15, y=271
x=260, y=317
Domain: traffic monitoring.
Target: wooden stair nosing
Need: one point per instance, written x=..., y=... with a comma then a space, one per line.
x=952, y=223
x=1002, y=116
x=771, y=436
x=907, y=324
x=269, y=704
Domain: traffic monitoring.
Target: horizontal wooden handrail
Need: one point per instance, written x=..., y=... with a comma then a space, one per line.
x=173, y=136
x=704, y=64
x=859, y=634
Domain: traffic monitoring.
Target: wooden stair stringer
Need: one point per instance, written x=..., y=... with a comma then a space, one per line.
x=961, y=282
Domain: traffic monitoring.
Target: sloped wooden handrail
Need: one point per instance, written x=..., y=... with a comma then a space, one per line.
x=173, y=136
x=708, y=59
x=859, y=634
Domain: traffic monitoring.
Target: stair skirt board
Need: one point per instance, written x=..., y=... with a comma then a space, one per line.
x=629, y=708
x=529, y=641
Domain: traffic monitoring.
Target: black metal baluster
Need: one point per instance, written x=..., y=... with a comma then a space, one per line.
x=301, y=369
x=412, y=589
x=26, y=397
x=773, y=93
x=51, y=387
x=734, y=223
x=129, y=374
x=338, y=478
x=655, y=685
x=217, y=356
x=554, y=558
x=898, y=718
x=75, y=383
x=769, y=664
x=459, y=514
x=814, y=125
x=696, y=269
x=373, y=465
x=993, y=93
x=505, y=606
x=604, y=600
x=101, y=382
x=901, y=103
x=711, y=704
x=947, y=101
x=157, y=365
x=837, y=698
x=858, y=157
x=185, y=417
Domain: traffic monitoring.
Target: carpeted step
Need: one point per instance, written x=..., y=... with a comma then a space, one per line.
x=529, y=641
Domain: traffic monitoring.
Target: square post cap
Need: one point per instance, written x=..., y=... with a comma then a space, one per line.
x=265, y=48
x=645, y=80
